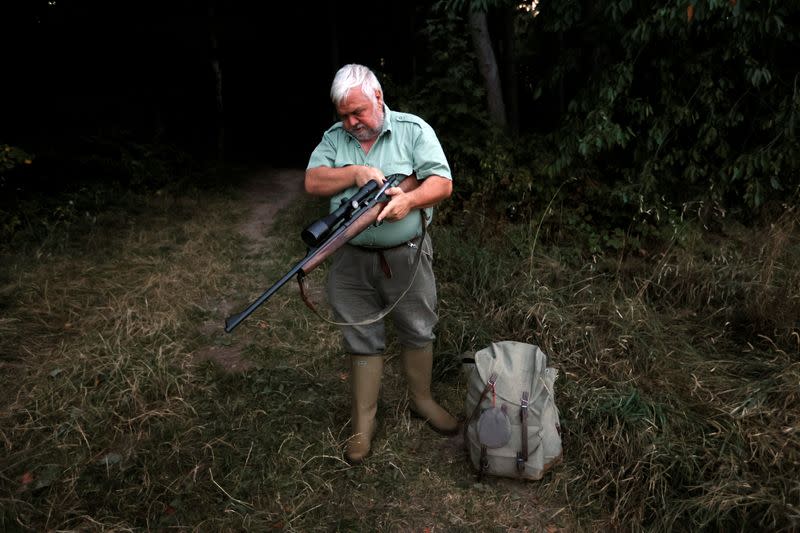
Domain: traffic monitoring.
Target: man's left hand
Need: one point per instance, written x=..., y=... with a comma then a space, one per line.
x=398, y=207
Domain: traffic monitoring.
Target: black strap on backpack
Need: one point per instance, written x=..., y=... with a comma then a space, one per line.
x=522, y=456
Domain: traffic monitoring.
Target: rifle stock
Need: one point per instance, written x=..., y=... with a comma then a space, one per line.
x=327, y=248
x=360, y=221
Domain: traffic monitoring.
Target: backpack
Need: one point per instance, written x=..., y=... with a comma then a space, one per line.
x=512, y=427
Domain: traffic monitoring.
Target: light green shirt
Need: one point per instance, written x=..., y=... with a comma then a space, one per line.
x=406, y=145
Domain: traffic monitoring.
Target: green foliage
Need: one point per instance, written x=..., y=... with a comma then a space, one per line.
x=12, y=157
x=70, y=184
x=672, y=105
x=450, y=96
x=506, y=176
x=140, y=165
x=648, y=110
x=452, y=99
x=471, y=5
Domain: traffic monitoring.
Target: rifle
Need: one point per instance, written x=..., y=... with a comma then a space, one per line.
x=331, y=232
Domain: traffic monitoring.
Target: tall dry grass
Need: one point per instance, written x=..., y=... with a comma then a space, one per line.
x=681, y=397
x=123, y=410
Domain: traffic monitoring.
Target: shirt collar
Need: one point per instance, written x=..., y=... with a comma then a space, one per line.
x=387, y=119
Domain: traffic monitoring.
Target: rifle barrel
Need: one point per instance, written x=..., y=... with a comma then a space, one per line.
x=234, y=320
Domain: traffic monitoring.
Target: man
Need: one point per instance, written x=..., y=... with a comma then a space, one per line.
x=375, y=268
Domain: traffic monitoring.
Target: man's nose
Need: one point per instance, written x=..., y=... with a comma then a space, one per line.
x=352, y=122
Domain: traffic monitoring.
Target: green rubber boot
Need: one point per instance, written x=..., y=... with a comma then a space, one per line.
x=418, y=368
x=365, y=374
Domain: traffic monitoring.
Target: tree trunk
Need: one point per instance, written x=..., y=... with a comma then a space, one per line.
x=487, y=63
x=215, y=66
x=510, y=70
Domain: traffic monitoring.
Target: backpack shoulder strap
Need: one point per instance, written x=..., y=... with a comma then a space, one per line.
x=522, y=455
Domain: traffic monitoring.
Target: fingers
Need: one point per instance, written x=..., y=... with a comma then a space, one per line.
x=397, y=208
x=366, y=174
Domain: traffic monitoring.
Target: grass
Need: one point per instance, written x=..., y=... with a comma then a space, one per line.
x=682, y=375
x=124, y=410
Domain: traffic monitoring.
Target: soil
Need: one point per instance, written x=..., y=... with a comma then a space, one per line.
x=266, y=192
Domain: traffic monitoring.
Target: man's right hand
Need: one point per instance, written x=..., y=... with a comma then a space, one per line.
x=365, y=174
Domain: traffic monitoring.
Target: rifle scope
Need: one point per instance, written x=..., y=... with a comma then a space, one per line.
x=317, y=231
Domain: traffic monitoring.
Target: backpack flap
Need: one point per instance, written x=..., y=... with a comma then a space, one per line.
x=518, y=364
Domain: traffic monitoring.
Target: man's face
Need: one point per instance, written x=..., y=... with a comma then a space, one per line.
x=361, y=118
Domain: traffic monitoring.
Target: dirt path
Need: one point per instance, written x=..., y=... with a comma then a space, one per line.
x=266, y=192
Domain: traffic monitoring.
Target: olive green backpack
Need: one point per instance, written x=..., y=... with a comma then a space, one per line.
x=512, y=427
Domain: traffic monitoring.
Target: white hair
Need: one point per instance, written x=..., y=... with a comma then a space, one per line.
x=350, y=76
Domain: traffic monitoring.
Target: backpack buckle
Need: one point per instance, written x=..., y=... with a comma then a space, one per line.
x=520, y=463
x=523, y=406
x=484, y=463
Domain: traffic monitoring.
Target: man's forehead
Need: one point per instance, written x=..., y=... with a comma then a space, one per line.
x=351, y=105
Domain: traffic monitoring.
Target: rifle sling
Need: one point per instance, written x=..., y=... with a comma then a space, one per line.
x=385, y=267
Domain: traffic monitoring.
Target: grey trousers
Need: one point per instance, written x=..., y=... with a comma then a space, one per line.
x=358, y=288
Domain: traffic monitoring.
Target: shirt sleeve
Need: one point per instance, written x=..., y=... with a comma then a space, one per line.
x=429, y=158
x=323, y=155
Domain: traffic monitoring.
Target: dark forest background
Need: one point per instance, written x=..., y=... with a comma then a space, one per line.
x=631, y=111
x=145, y=70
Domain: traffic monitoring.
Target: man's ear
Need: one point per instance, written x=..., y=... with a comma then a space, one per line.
x=379, y=97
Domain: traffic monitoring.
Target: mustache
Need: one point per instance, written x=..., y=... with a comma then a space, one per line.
x=363, y=132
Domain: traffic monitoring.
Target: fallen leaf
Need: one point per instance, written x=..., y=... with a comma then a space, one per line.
x=110, y=459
